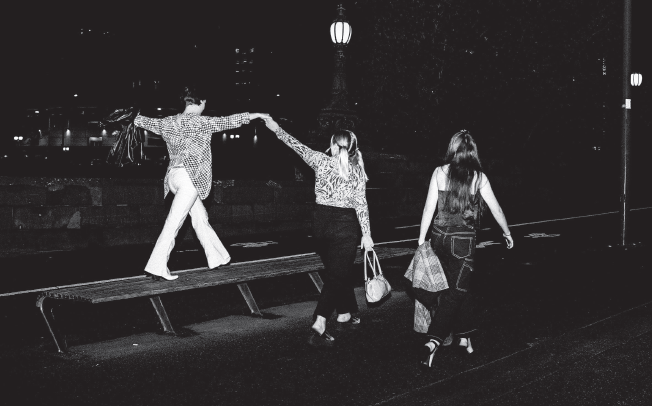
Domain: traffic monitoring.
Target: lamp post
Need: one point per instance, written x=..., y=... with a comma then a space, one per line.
x=338, y=115
x=625, y=140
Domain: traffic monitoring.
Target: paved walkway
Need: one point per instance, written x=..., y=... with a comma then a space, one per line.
x=565, y=320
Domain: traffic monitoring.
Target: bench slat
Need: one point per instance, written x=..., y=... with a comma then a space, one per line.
x=200, y=278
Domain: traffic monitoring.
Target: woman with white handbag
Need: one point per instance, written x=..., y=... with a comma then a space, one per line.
x=455, y=190
x=341, y=220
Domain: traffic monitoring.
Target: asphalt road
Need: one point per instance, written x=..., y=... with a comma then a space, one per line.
x=565, y=319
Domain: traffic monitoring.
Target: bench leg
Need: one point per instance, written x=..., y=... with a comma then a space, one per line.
x=316, y=279
x=162, y=315
x=249, y=298
x=48, y=316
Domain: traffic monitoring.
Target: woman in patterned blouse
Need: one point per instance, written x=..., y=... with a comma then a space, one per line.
x=189, y=177
x=341, y=217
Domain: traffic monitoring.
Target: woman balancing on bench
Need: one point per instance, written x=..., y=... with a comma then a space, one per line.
x=189, y=177
x=340, y=214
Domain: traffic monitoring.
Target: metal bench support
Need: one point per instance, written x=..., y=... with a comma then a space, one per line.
x=48, y=316
x=316, y=279
x=249, y=298
x=162, y=315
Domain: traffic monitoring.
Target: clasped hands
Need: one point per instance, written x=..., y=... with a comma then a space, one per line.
x=269, y=122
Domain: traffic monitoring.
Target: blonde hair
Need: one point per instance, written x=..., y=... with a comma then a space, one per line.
x=348, y=152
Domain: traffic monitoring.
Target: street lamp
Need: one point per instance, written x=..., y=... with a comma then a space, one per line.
x=341, y=29
x=338, y=115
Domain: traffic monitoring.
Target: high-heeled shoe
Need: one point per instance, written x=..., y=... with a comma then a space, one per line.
x=428, y=354
x=159, y=278
x=464, y=344
x=352, y=323
x=321, y=340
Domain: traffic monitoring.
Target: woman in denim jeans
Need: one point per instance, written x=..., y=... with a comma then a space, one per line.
x=454, y=191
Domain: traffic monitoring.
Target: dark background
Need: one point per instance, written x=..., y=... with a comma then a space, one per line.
x=525, y=77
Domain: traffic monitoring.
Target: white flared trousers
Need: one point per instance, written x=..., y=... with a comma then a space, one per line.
x=186, y=200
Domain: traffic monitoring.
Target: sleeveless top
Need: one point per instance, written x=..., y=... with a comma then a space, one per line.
x=468, y=218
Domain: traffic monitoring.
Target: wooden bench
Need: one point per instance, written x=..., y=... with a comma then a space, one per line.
x=238, y=273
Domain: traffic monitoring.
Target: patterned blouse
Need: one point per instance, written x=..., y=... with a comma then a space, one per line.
x=188, y=138
x=330, y=188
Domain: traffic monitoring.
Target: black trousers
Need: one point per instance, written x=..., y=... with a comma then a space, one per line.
x=337, y=235
x=455, y=248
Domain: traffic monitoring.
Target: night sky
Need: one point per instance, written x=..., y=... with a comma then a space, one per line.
x=187, y=41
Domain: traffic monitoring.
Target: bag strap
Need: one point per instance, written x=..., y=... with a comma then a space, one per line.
x=373, y=264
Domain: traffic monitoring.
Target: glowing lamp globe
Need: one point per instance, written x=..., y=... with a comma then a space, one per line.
x=341, y=29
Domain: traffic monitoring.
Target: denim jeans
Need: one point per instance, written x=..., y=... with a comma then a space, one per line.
x=455, y=248
x=336, y=233
x=186, y=200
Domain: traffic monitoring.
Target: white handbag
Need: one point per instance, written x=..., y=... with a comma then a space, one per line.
x=377, y=287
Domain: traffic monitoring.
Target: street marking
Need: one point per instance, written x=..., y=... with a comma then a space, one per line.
x=485, y=244
x=548, y=221
x=542, y=235
x=254, y=244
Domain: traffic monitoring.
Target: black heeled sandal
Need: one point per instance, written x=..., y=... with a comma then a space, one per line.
x=353, y=322
x=321, y=340
x=428, y=354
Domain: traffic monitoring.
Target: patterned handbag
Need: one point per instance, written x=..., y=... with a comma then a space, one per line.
x=377, y=287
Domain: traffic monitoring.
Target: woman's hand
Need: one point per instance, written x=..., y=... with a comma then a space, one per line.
x=253, y=116
x=367, y=243
x=271, y=124
x=421, y=241
x=509, y=241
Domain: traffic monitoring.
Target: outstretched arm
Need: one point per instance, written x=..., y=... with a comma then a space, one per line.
x=489, y=197
x=154, y=125
x=429, y=209
x=312, y=158
x=216, y=124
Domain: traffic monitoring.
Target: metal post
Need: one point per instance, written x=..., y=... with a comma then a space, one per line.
x=624, y=146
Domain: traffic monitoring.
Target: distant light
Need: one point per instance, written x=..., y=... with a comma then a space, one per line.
x=237, y=136
x=36, y=112
x=636, y=79
x=67, y=132
x=20, y=138
x=277, y=95
x=75, y=95
x=15, y=138
x=232, y=136
x=224, y=137
x=255, y=139
x=103, y=132
x=158, y=108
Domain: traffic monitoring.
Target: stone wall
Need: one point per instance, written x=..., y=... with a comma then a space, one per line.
x=40, y=214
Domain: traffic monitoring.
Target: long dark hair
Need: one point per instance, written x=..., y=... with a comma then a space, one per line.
x=463, y=164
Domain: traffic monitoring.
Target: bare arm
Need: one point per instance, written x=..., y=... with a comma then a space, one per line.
x=489, y=197
x=429, y=209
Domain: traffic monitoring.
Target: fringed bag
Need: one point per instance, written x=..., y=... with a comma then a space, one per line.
x=128, y=146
